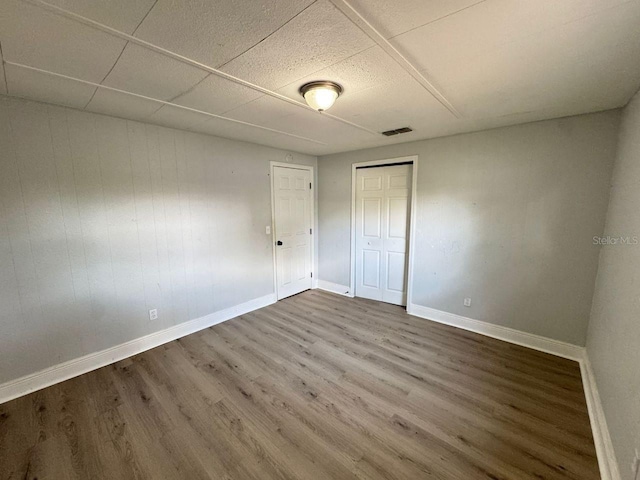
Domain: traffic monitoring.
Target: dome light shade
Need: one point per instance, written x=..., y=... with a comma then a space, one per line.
x=320, y=95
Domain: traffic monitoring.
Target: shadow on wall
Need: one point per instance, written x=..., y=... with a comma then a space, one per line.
x=506, y=249
x=102, y=219
x=505, y=216
x=66, y=293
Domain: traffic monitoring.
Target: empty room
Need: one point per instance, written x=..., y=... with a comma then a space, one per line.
x=320, y=239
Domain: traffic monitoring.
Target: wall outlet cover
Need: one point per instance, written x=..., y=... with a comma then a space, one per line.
x=153, y=314
x=467, y=302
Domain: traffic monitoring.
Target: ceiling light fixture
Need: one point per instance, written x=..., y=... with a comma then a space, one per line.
x=320, y=95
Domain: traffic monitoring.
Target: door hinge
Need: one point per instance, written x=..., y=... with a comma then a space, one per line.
x=309, y=185
x=311, y=231
x=311, y=274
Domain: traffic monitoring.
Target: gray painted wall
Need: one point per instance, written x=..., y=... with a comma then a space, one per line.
x=102, y=219
x=613, y=344
x=504, y=216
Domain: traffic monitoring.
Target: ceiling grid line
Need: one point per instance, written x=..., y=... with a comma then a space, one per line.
x=119, y=56
x=191, y=88
x=163, y=51
x=145, y=17
x=144, y=97
x=455, y=12
x=497, y=64
x=236, y=107
x=107, y=74
x=297, y=80
x=273, y=32
x=4, y=73
x=359, y=21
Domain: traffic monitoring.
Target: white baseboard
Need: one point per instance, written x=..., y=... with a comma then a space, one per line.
x=537, y=342
x=73, y=368
x=601, y=437
x=64, y=371
x=335, y=288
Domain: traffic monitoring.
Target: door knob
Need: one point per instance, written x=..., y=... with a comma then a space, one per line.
x=278, y=243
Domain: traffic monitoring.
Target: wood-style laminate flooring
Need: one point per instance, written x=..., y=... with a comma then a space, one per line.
x=317, y=386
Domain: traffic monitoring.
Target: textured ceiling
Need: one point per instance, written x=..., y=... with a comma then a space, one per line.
x=233, y=67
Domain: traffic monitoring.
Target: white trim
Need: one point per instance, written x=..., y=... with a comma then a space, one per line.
x=73, y=368
x=361, y=22
x=162, y=102
x=312, y=207
x=181, y=58
x=601, y=436
x=78, y=366
x=537, y=342
x=412, y=221
x=335, y=288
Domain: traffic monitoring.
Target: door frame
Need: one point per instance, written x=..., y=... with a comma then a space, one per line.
x=309, y=168
x=413, y=159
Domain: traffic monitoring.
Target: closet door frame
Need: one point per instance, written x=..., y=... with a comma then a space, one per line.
x=413, y=159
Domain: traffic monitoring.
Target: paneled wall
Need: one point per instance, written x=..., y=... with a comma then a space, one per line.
x=613, y=344
x=102, y=219
x=504, y=216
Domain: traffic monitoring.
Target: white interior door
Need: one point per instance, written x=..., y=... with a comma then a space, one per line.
x=292, y=223
x=383, y=203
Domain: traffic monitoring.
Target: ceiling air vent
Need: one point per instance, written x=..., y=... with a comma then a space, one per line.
x=388, y=133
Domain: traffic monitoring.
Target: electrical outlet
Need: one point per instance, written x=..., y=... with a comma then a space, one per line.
x=467, y=302
x=267, y=230
x=153, y=314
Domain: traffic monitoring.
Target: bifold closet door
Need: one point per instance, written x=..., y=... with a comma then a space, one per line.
x=383, y=202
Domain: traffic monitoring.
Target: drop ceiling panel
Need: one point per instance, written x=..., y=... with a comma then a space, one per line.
x=317, y=38
x=145, y=72
x=273, y=113
x=47, y=88
x=246, y=133
x=217, y=95
x=583, y=60
x=489, y=24
x=500, y=62
x=213, y=32
x=391, y=18
x=325, y=129
x=176, y=117
x=390, y=106
x=122, y=105
x=35, y=37
x=370, y=68
x=264, y=110
x=123, y=15
x=603, y=75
